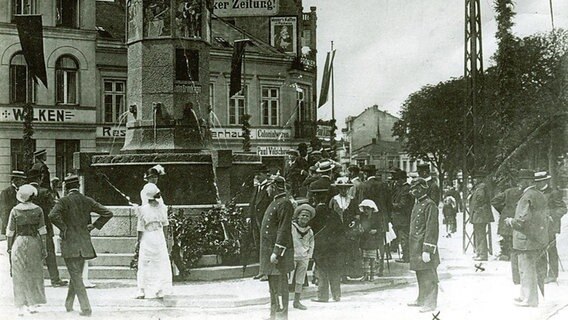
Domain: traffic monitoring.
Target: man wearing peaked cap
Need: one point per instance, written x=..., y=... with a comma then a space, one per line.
x=39, y=166
x=8, y=198
x=434, y=192
x=555, y=209
x=530, y=237
x=423, y=246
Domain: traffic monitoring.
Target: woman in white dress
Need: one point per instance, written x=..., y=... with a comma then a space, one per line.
x=154, y=271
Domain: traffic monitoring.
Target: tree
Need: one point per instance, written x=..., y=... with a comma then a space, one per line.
x=431, y=127
x=28, y=143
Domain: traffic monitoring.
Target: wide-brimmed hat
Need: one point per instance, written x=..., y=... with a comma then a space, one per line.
x=319, y=186
x=526, y=174
x=325, y=166
x=25, y=192
x=541, y=176
x=342, y=182
x=71, y=179
x=151, y=191
x=367, y=203
x=304, y=207
x=155, y=171
x=18, y=174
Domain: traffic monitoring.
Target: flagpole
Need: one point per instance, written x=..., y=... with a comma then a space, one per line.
x=332, y=89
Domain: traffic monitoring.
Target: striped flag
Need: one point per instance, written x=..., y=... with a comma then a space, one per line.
x=324, y=92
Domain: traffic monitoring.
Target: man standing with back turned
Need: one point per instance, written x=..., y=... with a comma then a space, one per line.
x=72, y=215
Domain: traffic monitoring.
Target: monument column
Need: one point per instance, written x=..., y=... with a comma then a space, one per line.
x=168, y=74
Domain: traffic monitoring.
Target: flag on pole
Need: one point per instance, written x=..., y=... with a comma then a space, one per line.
x=324, y=92
x=236, y=66
x=30, y=32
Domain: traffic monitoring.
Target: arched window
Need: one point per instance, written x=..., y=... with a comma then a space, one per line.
x=66, y=80
x=22, y=87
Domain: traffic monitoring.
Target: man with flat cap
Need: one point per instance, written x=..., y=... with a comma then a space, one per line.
x=277, y=248
x=39, y=165
x=434, y=192
x=423, y=246
x=8, y=197
x=556, y=209
x=530, y=237
x=72, y=215
x=481, y=215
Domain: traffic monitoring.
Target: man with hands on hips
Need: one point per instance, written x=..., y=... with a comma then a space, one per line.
x=423, y=246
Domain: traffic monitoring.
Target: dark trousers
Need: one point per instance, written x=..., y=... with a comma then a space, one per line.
x=329, y=279
x=427, y=287
x=506, y=245
x=278, y=286
x=480, y=239
x=402, y=233
x=528, y=273
x=552, y=258
x=51, y=261
x=76, y=286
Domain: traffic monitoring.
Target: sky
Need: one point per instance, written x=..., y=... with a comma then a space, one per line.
x=388, y=49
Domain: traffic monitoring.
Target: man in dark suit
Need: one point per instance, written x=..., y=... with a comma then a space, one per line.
x=8, y=197
x=480, y=216
x=402, y=203
x=423, y=243
x=530, y=236
x=72, y=215
x=324, y=181
x=276, y=247
x=257, y=207
x=46, y=201
x=555, y=208
x=434, y=192
x=40, y=157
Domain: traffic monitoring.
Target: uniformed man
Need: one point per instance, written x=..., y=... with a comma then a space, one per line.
x=402, y=203
x=423, y=244
x=277, y=248
x=40, y=157
x=46, y=201
x=530, y=237
x=434, y=192
x=480, y=216
x=8, y=198
x=556, y=208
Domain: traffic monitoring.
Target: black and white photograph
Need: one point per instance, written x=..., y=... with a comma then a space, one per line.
x=284, y=159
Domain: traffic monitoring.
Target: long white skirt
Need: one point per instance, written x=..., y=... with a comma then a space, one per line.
x=154, y=269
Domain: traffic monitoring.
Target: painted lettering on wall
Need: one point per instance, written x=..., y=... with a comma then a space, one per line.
x=11, y=114
x=111, y=132
x=271, y=151
x=234, y=8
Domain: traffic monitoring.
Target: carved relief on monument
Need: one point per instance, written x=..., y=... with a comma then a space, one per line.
x=157, y=18
x=188, y=18
x=134, y=18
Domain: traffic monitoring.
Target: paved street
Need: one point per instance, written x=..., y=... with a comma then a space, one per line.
x=464, y=294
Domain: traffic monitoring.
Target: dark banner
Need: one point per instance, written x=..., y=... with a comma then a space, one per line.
x=236, y=66
x=30, y=31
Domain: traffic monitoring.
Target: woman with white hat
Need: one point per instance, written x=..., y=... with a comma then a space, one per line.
x=26, y=234
x=154, y=273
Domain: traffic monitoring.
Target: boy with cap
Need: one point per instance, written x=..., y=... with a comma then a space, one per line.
x=303, y=238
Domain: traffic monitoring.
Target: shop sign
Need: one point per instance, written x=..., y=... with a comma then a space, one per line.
x=245, y=8
x=111, y=132
x=271, y=151
x=255, y=134
x=323, y=131
x=44, y=115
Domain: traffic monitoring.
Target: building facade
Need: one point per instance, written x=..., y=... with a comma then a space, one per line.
x=84, y=106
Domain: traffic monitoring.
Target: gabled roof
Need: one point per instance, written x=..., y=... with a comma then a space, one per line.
x=389, y=147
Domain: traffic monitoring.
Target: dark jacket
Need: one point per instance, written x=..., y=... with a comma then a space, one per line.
x=71, y=214
x=45, y=201
x=402, y=203
x=276, y=237
x=378, y=191
x=259, y=201
x=434, y=192
x=43, y=170
x=505, y=203
x=556, y=208
x=7, y=202
x=530, y=225
x=480, y=205
x=371, y=241
x=329, y=234
x=423, y=236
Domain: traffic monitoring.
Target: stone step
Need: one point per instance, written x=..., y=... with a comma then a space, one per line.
x=106, y=259
x=197, y=274
x=114, y=244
